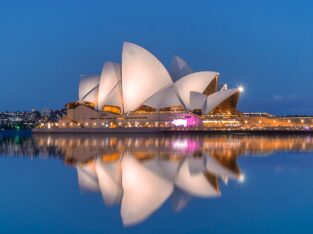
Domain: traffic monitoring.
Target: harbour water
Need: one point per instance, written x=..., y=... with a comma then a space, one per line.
x=154, y=183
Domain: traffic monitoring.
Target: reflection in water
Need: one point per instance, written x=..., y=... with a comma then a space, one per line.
x=141, y=172
x=142, y=184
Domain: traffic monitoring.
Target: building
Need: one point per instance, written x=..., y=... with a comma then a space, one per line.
x=140, y=92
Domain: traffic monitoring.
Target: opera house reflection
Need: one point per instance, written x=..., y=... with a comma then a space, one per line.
x=142, y=172
x=142, y=183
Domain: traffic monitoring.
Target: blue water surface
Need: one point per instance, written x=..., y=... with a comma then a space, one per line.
x=41, y=194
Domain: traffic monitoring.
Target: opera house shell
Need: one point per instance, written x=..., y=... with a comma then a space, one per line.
x=142, y=85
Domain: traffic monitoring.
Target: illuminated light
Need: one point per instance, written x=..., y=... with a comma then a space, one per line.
x=71, y=124
x=94, y=124
x=180, y=122
x=180, y=144
x=49, y=125
x=260, y=121
x=242, y=178
x=274, y=121
x=112, y=109
x=56, y=124
x=186, y=145
x=246, y=121
x=241, y=89
x=87, y=124
x=63, y=124
x=302, y=121
x=288, y=120
x=102, y=124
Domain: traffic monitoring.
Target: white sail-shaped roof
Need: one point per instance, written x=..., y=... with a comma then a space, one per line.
x=196, y=185
x=143, y=76
x=166, y=97
x=217, y=98
x=88, y=88
x=115, y=98
x=110, y=181
x=197, y=82
x=144, y=191
x=179, y=68
x=197, y=100
x=110, y=86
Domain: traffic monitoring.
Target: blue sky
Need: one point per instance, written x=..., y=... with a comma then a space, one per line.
x=264, y=45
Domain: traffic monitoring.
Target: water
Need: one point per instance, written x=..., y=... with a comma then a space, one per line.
x=156, y=184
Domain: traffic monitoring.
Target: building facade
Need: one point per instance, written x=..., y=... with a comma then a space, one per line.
x=141, y=93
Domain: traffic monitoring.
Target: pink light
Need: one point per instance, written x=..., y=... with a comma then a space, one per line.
x=180, y=122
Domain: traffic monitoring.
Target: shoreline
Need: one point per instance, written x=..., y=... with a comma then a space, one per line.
x=29, y=132
x=167, y=131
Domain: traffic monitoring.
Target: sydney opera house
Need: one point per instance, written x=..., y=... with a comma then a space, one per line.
x=141, y=93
